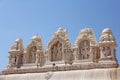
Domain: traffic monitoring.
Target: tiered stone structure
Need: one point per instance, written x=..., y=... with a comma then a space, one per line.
x=87, y=53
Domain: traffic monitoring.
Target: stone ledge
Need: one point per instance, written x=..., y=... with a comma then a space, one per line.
x=91, y=74
x=59, y=68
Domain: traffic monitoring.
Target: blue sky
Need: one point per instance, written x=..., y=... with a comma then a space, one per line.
x=26, y=18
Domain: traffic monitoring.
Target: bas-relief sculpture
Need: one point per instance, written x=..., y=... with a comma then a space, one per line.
x=108, y=45
x=57, y=46
x=16, y=54
x=86, y=47
x=87, y=53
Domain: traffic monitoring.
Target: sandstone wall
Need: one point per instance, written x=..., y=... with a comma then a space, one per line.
x=92, y=74
x=118, y=73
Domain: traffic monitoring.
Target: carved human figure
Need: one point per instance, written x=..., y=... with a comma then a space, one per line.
x=37, y=58
x=105, y=52
x=93, y=54
x=108, y=52
x=59, y=54
x=54, y=53
x=84, y=50
x=32, y=55
x=17, y=61
x=40, y=58
x=68, y=55
x=12, y=61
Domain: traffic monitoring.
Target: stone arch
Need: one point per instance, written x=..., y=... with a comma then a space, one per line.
x=31, y=54
x=56, y=49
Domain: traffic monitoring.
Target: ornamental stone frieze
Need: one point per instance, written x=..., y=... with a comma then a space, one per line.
x=87, y=53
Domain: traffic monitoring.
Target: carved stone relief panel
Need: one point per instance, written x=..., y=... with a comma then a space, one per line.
x=15, y=61
x=68, y=56
x=105, y=52
x=40, y=58
x=94, y=54
x=84, y=49
x=32, y=55
x=56, y=51
x=12, y=61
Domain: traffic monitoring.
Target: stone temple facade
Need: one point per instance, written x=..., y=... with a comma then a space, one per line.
x=87, y=55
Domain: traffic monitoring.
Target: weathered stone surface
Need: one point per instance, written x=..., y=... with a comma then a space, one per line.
x=118, y=74
x=87, y=60
x=92, y=74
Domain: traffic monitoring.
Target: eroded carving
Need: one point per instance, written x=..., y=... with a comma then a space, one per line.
x=56, y=52
x=107, y=45
x=86, y=54
x=57, y=44
x=16, y=54
x=84, y=44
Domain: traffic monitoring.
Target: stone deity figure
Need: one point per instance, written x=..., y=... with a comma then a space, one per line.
x=105, y=52
x=37, y=58
x=82, y=52
x=59, y=55
x=54, y=53
x=85, y=50
x=40, y=58
x=32, y=56
x=12, y=61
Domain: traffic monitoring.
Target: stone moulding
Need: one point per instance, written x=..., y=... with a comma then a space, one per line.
x=59, y=68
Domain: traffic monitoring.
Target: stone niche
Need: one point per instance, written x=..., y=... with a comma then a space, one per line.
x=107, y=47
x=87, y=53
x=86, y=48
x=57, y=47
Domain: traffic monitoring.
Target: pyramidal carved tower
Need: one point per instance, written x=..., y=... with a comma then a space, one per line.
x=86, y=54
